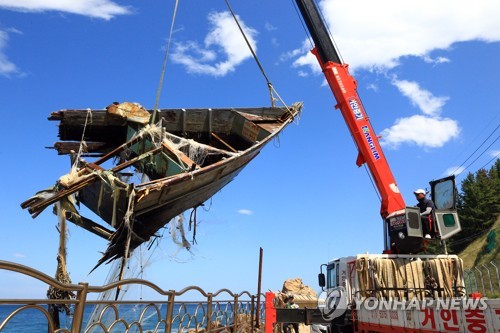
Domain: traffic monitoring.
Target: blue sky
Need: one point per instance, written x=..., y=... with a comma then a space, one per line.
x=427, y=73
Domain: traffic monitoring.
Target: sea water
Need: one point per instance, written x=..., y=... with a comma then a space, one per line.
x=34, y=321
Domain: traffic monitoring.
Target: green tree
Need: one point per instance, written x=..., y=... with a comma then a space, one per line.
x=478, y=205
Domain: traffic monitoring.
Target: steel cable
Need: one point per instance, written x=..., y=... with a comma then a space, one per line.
x=162, y=75
x=269, y=84
x=484, y=141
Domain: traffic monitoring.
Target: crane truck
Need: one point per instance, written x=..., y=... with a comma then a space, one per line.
x=400, y=290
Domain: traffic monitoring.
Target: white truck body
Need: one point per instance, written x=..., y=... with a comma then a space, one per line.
x=408, y=293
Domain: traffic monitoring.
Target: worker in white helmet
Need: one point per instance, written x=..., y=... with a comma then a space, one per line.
x=426, y=207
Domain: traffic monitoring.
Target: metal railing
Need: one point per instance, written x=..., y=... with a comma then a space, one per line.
x=484, y=278
x=215, y=312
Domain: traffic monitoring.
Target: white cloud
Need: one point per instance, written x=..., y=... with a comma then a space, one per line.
x=245, y=212
x=14, y=30
x=7, y=67
x=454, y=171
x=421, y=130
x=294, y=53
x=103, y=9
x=495, y=153
x=437, y=60
x=308, y=60
x=302, y=57
x=429, y=104
x=406, y=28
x=428, y=130
x=270, y=27
x=224, y=39
x=372, y=86
x=19, y=255
x=302, y=73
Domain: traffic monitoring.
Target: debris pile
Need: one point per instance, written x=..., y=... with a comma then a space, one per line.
x=304, y=296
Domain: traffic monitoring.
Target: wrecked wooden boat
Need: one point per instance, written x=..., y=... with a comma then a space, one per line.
x=179, y=158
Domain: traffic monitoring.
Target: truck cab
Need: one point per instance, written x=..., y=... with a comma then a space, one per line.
x=334, y=300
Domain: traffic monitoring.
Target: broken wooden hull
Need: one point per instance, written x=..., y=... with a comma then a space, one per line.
x=160, y=201
x=184, y=156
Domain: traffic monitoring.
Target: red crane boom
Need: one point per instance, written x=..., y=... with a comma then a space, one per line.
x=343, y=86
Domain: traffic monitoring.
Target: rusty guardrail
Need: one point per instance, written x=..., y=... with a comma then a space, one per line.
x=484, y=278
x=216, y=312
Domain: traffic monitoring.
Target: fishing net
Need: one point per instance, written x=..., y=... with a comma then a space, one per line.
x=62, y=274
x=197, y=152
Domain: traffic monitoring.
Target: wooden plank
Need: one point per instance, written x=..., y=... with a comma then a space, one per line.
x=89, y=225
x=91, y=148
x=189, y=163
x=227, y=145
x=37, y=206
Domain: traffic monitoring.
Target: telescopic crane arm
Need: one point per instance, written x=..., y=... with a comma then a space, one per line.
x=343, y=86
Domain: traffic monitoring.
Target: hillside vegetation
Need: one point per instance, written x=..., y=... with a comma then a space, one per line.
x=480, y=251
x=479, y=242
x=478, y=206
